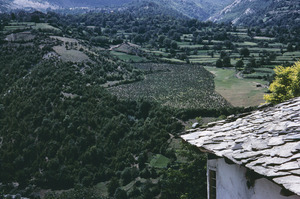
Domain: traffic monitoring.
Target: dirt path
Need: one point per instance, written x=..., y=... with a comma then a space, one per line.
x=239, y=75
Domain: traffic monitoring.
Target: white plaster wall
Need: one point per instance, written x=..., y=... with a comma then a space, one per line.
x=268, y=190
x=232, y=183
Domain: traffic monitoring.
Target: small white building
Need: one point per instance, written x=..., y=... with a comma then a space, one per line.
x=253, y=156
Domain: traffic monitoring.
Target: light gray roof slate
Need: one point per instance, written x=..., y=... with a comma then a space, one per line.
x=266, y=141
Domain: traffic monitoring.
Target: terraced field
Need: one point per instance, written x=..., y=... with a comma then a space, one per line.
x=19, y=26
x=266, y=51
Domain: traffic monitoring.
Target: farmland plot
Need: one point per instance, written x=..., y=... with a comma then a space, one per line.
x=239, y=92
x=180, y=86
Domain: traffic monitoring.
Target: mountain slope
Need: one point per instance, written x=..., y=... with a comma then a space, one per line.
x=89, y=3
x=43, y=5
x=8, y=5
x=199, y=9
x=247, y=12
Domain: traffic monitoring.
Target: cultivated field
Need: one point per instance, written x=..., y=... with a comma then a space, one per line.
x=180, y=86
x=21, y=26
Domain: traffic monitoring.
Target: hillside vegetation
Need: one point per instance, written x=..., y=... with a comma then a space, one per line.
x=60, y=129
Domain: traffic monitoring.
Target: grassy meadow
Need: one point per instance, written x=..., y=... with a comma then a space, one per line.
x=238, y=92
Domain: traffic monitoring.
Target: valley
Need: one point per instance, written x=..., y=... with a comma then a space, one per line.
x=92, y=104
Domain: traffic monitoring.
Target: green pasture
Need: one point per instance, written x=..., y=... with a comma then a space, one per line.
x=277, y=45
x=264, y=38
x=128, y=58
x=159, y=161
x=70, y=55
x=184, y=43
x=173, y=60
x=155, y=52
x=287, y=58
x=199, y=56
x=237, y=33
x=245, y=44
x=258, y=49
x=28, y=25
x=101, y=189
x=255, y=75
x=45, y=26
x=265, y=70
x=203, y=52
x=13, y=28
x=191, y=46
x=203, y=60
x=22, y=23
x=293, y=54
x=238, y=92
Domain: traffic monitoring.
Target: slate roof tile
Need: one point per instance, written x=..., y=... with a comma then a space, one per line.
x=266, y=141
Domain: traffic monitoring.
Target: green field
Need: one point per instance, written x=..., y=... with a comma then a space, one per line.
x=173, y=60
x=190, y=46
x=128, y=58
x=70, y=55
x=247, y=43
x=45, y=26
x=159, y=161
x=239, y=92
x=29, y=25
x=12, y=28
x=264, y=38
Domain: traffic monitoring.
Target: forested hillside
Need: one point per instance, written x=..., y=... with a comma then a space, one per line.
x=61, y=129
x=89, y=134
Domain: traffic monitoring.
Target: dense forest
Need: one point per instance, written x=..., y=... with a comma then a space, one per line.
x=61, y=129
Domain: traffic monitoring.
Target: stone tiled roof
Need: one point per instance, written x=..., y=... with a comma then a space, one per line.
x=266, y=141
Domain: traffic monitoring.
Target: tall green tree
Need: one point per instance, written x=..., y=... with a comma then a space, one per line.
x=286, y=84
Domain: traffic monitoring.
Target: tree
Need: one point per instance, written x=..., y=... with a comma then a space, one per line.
x=226, y=61
x=239, y=64
x=120, y=194
x=245, y=52
x=113, y=185
x=286, y=84
x=219, y=63
x=35, y=18
x=252, y=63
x=174, y=45
x=187, y=181
x=290, y=47
x=223, y=54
